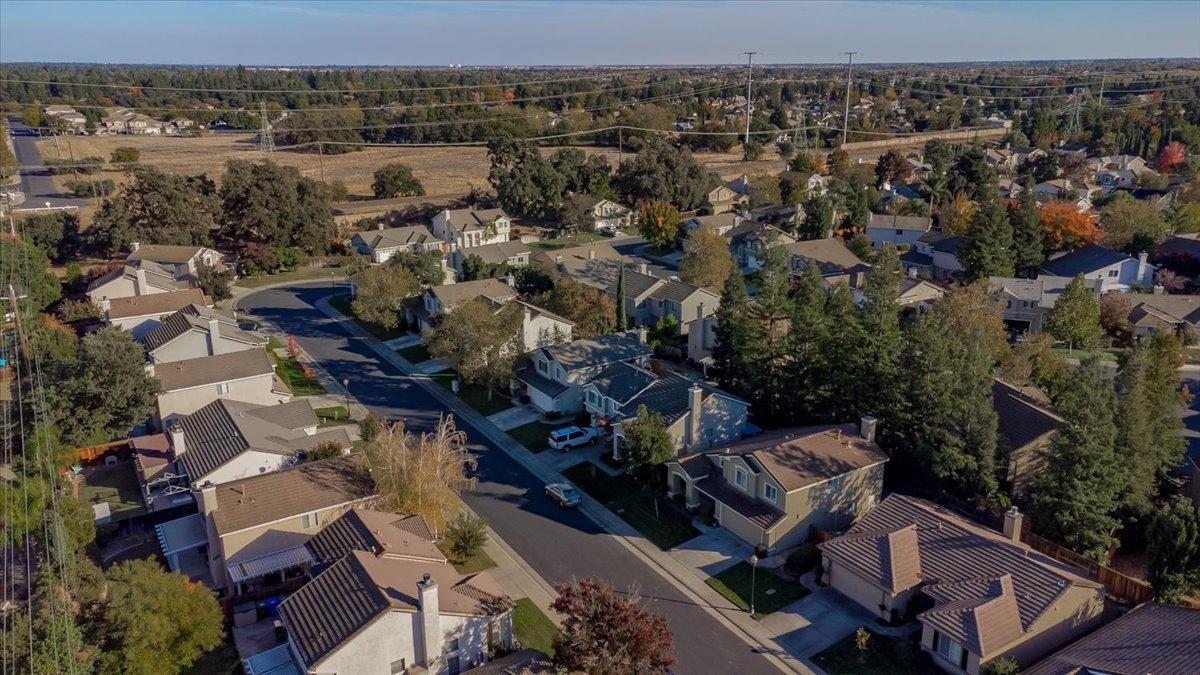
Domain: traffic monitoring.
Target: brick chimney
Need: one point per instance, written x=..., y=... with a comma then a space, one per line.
x=431, y=621
x=1013, y=520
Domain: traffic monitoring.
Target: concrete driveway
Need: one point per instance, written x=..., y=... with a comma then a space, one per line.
x=816, y=621
x=712, y=552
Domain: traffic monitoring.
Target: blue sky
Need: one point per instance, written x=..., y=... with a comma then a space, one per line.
x=257, y=32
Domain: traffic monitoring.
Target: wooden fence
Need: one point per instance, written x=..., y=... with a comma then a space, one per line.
x=1119, y=585
x=93, y=452
x=819, y=536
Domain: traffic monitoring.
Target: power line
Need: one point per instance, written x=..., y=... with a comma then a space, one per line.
x=749, y=80
x=1015, y=98
x=846, y=112
x=266, y=141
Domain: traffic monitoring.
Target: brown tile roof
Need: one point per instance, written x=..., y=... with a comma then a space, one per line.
x=981, y=614
x=452, y=295
x=758, y=512
x=345, y=598
x=375, y=532
x=954, y=550
x=497, y=253
x=800, y=456
x=155, y=303
x=897, y=551
x=1153, y=639
x=213, y=369
x=257, y=500
x=465, y=220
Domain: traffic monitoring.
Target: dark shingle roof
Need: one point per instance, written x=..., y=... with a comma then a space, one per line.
x=213, y=369
x=668, y=396
x=543, y=384
x=154, y=303
x=620, y=381
x=598, y=351
x=394, y=237
x=884, y=220
x=196, y=317
x=912, y=257
x=1157, y=639
x=1020, y=420
x=252, y=501
x=1084, y=260
x=754, y=510
x=678, y=291
x=375, y=532
x=636, y=284
x=497, y=253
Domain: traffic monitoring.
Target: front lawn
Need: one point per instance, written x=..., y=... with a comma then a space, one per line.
x=884, y=655
x=771, y=591
x=333, y=416
x=343, y=304
x=565, y=242
x=532, y=627
x=417, y=353
x=473, y=394
x=653, y=516
x=292, y=372
x=117, y=485
x=535, y=436
x=477, y=563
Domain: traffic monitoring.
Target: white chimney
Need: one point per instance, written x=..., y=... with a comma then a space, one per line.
x=1142, y=268
x=643, y=269
x=431, y=620
x=592, y=253
x=134, y=246
x=139, y=281
x=1012, y=525
x=700, y=312
x=105, y=304
x=178, y=439
x=866, y=428
x=642, y=334
x=379, y=226
x=206, y=498
x=696, y=418
x=214, y=336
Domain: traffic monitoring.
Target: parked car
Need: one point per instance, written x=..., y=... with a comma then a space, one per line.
x=572, y=437
x=565, y=494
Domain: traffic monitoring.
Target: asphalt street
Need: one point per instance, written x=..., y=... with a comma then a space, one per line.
x=36, y=182
x=559, y=544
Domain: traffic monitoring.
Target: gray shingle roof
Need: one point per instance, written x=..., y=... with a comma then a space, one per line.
x=598, y=351
x=887, y=221
x=1083, y=260
x=165, y=253
x=830, y=255
x=452, y=295
x=620, y=381
x=375, y=532
x=636, y=284
x=394, y=237
x=213, y=369
x=196, y=317
x=471, y=219
x=668, y=396
x=313, y=486
x=1158, y=639
x=498, y=252
x=1020, y=420
x=154, y=303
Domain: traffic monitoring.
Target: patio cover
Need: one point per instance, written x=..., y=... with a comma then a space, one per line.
x=181, y=534
x=257, y=567
x=274, y=661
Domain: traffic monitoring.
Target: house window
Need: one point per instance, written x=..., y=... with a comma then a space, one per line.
x=308, y=521
x=592, y=397
x=223, y=388
x=740, y=477
x=770, y=493
x=949, y=650
x=541, y=367
x=1114, y=273
x=399, y=666
x=450, y=646
x=899, y=233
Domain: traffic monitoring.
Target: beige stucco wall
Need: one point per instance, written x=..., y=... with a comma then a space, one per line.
x=855, y=587
x=249, y=463
x=121, y=287
x=542, y=331
x=737, y=524
x=396, y=635
x=257, y=389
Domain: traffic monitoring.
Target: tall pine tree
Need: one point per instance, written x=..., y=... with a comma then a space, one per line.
x=989, y=250
x=807, y=390
x=771, y=314
x=737, y=336
x=841, y=357
x=1028, y=239
x=622, y=317
x=878, y=391
x=1077, y=491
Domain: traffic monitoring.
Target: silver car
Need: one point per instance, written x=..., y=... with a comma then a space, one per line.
x=565, y=494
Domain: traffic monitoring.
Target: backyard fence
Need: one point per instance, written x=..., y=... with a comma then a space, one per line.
x=93, y=452
x=1119, y=585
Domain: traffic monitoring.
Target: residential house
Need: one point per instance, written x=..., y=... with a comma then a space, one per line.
x=249, y=535
x=935, y=254
x=228, y=440
x=140, y=314
x=1026, y=425
x=1179, y=253
x=381, y=244
x=899, y=231
x=1152, y=312
x=723, y=198
x=195, y=331
x=595, y=264
x=896, y=194
x=1001, y=159
x=467, y=228
x=1116, y=171
x=541, y=327
x=1027, y=302
x=188, y=385
x=68, y=115
x=135, y=278
x=722, y=223
x=439, y=299
x=1024, y=155
x=771, y=490
x=816, y=185
x=1063, y=189
x=979, y=595
x=183, y=261
x=697, y=415
x=701, y=339
x=393, y=612
x=556, y=375
x=1150, y=638
x=829, y=255
x=1119, y=272
x=914, y=293
x=648, y=299
x=787, y=216
x=606, y=215
x=512, y=253
x=1159, y=198
x=749, y=241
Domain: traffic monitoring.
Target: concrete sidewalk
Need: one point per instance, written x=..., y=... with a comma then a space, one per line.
x=677, y=573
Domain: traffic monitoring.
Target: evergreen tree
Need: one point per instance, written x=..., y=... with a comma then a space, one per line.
x=807, y=391
x=989, y=251
x=1028, y=240
x=622, y=317
x=877, y=391
x=1077, y=490
x=770, y=315
x=1173, y=550
x=1075, y=318
x=841, y=358
x=1148, y=424
x=737, y=336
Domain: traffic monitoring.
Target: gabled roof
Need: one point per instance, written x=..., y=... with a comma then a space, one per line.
x=598, y=351
x=154, y=304
x=395, y=237
x=375, y=532
x=894, y=222
x=897, y=551
x=196, y=317
x=981, y=614
x=344, y=599
x=465, y=220
x=670, y=396
x=752, y=230
x=942, y=242
x=213, y=369
x=1044, y=290
x=1172, y=308
x=798, y=457
x=156, y=275
x=452, y=295
x=1151, y=638
x=313, y=486
x=620, y=381
x=595, y=264
x=163, y=253
x=497, y=253
x=831, y=255
x=679, y=291
x=1084, y=260
x=1020, y=420
x=637, y=285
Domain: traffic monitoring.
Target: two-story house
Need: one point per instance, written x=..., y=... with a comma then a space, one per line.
x=556, y=374
x=721, y=223
x=979, y=595
x=595, y=264
x=142, y=277
x=1150, y=638
x=1027, y=302
x=724, y=198
x=439, y=299
x=381, y=244
x=140, y=314
x=899, y=231
x=606, y=215
x=188, y=385
x=184, y=261
x=750, y=240
x=934, y=254
x=830, y=256
x=1115, y=270
x=467, y=228
x=195, y=331
x=648, y=299
x=514, y=254
x=1152, y=312
x=771, y=490
x=1025, y=425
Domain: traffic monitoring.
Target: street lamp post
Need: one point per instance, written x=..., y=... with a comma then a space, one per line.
x=346, y=386
x=753, y=574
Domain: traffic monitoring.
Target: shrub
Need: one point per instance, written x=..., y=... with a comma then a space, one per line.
x=370, y=427
x=92, y=188
x=465, y=535
x=325, y=450
x=75, y=310
x=288, y=258
x=669, y=353
x=126, y=155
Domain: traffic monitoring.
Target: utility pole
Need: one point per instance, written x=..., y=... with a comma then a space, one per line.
x=321, y=159
x=266, y=142
x=749, y=81
x=846, y=110
x=1103, y=77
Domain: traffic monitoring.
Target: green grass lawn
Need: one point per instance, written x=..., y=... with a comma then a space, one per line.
x=304, y=274
x=771, y=591
x=293, y=373
x=117, y=485
x=885, y=655
x=532, y=627
x=473, y=394
x=635, y=504
x=417, y=353
x=476, y=563
x=564, y=242
x=535, y=436
x=333, y=416
x=342, y=303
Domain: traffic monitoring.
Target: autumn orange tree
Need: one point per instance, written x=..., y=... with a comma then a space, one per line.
x=1065, y=227
x=1172, y=154
x=658, y=222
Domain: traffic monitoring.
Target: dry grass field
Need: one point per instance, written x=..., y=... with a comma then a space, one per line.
x=446, y=172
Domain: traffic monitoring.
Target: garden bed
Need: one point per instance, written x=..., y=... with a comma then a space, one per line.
x=333, y=416
x=655, y=517
x=116, y=484
x=478, y=562
x=473, y=394
x=417, y=353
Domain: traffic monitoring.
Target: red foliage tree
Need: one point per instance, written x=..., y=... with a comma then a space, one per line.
x=606, y=633
x=1173, y=153
x=293, y=348
x=1065, y=227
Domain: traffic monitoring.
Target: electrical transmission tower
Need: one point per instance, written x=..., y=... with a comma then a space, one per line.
x=266, y=140
x=846, y=110
x=749, y=80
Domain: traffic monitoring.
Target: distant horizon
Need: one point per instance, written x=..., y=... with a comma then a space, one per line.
x=585, y=33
